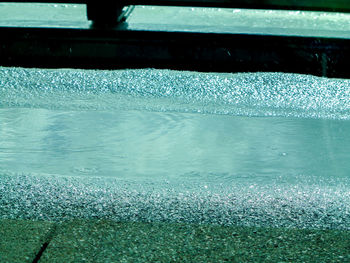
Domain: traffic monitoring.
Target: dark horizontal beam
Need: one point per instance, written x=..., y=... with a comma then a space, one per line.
x=113, y=49
x=312, y=5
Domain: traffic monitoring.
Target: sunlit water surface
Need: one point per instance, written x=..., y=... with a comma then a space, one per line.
x=263, y=149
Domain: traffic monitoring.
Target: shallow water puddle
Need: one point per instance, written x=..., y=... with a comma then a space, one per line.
x=262, y=149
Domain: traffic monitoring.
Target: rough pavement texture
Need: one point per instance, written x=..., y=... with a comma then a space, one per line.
x=108, y=241
x=20, y=240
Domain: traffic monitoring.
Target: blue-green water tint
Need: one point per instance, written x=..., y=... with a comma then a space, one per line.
x=160, y=18
x=267, y=149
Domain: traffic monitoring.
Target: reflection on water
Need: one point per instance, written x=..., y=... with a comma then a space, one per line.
x=162, y=145
x=253, y=149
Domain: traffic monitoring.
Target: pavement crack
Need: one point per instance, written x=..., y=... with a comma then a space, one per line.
x=48, y=239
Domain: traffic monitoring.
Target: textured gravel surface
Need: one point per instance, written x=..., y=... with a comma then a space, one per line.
x=57, y=198
x=244, y=94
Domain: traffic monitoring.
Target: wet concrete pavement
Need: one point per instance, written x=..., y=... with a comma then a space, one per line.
x=110, y=241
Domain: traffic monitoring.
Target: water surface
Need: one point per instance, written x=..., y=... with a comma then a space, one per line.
x=265, y=149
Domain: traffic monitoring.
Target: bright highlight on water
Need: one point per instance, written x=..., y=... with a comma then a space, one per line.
x=262, y=149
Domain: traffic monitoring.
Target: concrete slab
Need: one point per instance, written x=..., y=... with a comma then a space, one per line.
x=21, y=240
x=108, y=241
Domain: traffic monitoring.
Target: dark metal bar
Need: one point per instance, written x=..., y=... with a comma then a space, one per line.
x=116, y=49
x=312, y=5
x=104, y=13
